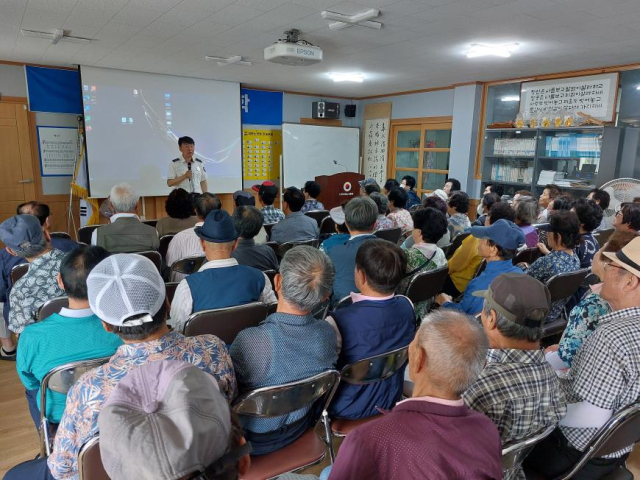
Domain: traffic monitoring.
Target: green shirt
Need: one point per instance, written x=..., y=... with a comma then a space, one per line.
x=61, y=338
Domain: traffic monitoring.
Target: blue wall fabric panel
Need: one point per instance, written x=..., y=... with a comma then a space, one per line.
x=54, y=90
x=260, y=107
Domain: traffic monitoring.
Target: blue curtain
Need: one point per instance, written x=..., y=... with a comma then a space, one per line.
x=54, y=90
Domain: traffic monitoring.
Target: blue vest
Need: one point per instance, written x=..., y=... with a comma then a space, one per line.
x=371, y=328
x=225, y=287
x=344, y=261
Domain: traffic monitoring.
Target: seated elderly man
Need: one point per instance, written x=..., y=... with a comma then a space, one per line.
x=186, y=243
x=127, y=293
x=360, y=216
x=517, y=389
x=604, y=375
x=126, y=233
x=189, y=430
x=221, y=282
x=432, y=434
x=289, y=345
x=71, y=335
x=24, y=237
x=296, y=226
x=248, y=222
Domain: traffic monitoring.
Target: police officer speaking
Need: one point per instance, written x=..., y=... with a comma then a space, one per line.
x=186, y=171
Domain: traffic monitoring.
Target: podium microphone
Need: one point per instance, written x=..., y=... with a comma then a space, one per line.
x=335, y=162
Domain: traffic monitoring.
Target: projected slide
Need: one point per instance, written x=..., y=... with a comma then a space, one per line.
x=133, y=121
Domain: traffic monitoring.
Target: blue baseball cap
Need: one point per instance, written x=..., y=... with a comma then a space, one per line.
x=21, y=232
x=503, y=232
x=218, y=228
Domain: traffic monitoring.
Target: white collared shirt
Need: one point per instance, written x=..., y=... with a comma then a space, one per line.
x=182, y=304
x=112, y=218
x=184, y=244
x=198, y=174
x=75, y=312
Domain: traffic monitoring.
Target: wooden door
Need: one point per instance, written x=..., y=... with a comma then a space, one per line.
x=16, y=170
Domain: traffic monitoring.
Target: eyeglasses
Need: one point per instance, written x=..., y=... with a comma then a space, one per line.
x=619, y=213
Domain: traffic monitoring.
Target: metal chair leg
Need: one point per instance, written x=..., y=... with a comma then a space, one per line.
x=327, y=432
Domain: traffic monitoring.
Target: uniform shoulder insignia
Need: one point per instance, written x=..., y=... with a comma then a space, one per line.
x=198, y=160
x=177, y=160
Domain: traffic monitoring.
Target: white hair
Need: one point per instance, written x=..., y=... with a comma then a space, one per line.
x=456, y=347
x=123, y=197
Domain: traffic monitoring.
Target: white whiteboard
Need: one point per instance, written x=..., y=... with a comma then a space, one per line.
x=309, y=151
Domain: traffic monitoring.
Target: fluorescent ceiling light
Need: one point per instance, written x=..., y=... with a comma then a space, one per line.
x=346, y=77
x=54, y=36
x=510, y=98
x=363, y=19
x=234, y=60
x=479, y=50
x=638, y=87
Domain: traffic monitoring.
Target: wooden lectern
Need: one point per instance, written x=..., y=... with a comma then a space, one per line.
x=338, y=187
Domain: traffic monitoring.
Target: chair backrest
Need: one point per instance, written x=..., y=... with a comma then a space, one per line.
x=426, y=285
x=375, y=369
x=285, y=247
x=84, y=233
x=287, y=398
x=170, y=290
x=445, y=249
x=52, y=306
x=90, y=463
x=481, y=268
x=271, y=275
x=267, y=228
x=402, y=238
x=563, y=285
x=456, y=242
x=188, y=265
x=343, y=302
x=390, y=234
x=226, y=323
x=603, y=235
x=514, y=454
x=622, y=430
x=528, y=255
x=275, y=246
x=155, y=257
x=18, y=272
x=318, y=215
x=327, y=226
x=165, y=240
x=151, y=223
x=60, y=235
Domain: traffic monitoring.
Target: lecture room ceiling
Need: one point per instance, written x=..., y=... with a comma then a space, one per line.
x=421, y=45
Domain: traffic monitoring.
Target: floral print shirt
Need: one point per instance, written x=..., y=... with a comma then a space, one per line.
x=401, y=218
x=85, y=399
x=312, y=205
x=587, y=249
x=583, y=320
x=38, y=285
x=417, y=255
x=382, y=223
x=459, y=223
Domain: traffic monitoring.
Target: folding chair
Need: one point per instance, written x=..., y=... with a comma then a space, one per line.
x=267, y=228
x=327, y=226
x=151, y=223
x=343, y=302
x=528, y=255
x=188, y=265
x=390, y=234
x=621, y=431
x=90, y=462
x=165, y=240
x=514, y=454
x=481, y=268
x=402, y=238
x=271, y=275
x=155, y=257
x=18, y=272
x=426, y=285
x=60, y=380
x=455, y=243
x=84, y=233
x=562, y=287
x=52, y=306
x=365, y=372
x=225, y=323
x=603, y=235
x=313, y=393
x=318, y=215
x=170, y=290
x=285, y=247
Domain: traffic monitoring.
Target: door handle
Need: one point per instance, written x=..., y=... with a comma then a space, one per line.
x=27, y=180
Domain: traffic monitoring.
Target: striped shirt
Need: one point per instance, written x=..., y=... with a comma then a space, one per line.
x=184, y=244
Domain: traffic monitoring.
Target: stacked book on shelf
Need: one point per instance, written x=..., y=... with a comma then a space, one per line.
x=574, y=145
x=514, y=147
x=506, y=172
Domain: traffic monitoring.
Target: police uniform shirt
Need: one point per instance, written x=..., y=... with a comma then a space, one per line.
x=178, y=167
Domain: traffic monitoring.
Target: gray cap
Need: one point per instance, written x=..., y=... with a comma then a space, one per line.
x=164, y=420
x=23, y=234
x=367, y=181
x=123, y=286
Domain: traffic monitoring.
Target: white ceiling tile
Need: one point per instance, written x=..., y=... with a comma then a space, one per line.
x=95, y=12
x=211, y=5
x=235, y=15
x=161, y=5
x=161, y=29
x=264, y=5
x=136, y=16
x=54, y=6
x=185, y=16
x=42, y=20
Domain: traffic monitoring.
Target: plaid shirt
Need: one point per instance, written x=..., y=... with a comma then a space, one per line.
x=520, y=392
x=272, y=214
x=606, y=372
x=312, y=205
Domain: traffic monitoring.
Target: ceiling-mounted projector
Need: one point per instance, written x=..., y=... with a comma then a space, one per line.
x=293, y=51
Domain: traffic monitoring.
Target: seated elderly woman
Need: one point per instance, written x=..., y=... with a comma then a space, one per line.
x=589, y=215
x=563, y=236
x=458, y=219
x=584, y=317
x=429, y=225
x=179, y=207
x=289, y=345
x=382, y=202
x=627, y=219
x=398, y=213
x=526, y=214
x=488, y=199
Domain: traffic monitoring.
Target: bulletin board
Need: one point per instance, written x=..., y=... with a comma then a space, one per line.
x=261, y=154
x=58, y=147
x=375, y=141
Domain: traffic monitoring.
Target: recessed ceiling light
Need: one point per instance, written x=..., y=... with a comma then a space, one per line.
x=510, y=98
x=480, y=50
x=638, y=87
x=347, y=77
